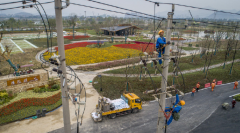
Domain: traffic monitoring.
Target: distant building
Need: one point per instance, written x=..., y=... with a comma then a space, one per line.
x=121, y=30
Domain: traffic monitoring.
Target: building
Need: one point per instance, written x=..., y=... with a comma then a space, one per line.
x=121, y=30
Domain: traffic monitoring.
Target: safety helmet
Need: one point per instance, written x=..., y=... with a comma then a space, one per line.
x=182, y=102
x=233, y=99
x=160, y=32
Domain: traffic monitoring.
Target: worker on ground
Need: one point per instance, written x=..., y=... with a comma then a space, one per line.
x=198, y=86
x=193, y=91
x=213, y=85
x=161, y=44
x=175, y=110
x=233, y=103
x=235, y=84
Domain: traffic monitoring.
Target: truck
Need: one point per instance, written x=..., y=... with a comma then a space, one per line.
x=128, y=103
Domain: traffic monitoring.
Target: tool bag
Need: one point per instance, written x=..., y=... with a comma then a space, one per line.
x=176, y=116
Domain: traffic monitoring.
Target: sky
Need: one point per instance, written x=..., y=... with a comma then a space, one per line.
x=136, y=5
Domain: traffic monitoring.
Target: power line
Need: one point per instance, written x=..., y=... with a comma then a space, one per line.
x=144, y=13
x=110, y=10
x=195, y=7
x=26, y=6
x=12, y=2
x=124, y=8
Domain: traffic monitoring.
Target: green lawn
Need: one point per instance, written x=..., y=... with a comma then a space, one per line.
x=185, y=63
x=113, y=87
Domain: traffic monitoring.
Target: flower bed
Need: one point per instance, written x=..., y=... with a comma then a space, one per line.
x=78, y=44
x=27, y=102
x=28, y=112
x=75, y=37
x=139, y=46
x=85, y=55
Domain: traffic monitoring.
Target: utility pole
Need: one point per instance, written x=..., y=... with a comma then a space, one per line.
x=60, y=41
x=161, y=118
x=156, y=3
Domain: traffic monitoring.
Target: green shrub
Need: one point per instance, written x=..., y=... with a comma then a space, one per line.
x=10, y=94
x=237, y=97
x=4, y=97
x=36, y=90
x=55, y=87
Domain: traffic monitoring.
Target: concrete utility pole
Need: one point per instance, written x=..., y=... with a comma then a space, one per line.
x=161, y=118
x=60, y=41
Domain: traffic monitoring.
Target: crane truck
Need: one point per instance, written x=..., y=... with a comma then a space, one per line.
x=128, y=103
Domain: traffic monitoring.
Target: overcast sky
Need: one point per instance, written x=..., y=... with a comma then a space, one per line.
x=137, y=5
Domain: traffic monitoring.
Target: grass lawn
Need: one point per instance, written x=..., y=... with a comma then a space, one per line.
x=22, y=44
x=185, y=63
x=188, y=48
x=106, y=44
x=113, y=87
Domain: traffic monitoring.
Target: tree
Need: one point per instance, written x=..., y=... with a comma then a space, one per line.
x=52, y=23
x=72, y=21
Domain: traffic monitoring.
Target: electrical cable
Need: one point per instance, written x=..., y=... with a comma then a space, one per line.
x=194, y=7
x=26, y=6
x=12, y=2
x=124, y=9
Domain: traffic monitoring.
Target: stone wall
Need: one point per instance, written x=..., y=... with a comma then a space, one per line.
x=4, y=85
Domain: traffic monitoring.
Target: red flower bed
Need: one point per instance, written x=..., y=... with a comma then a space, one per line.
x=23, y=103
x=74, y=45
x=140, y=46
x=75, y=37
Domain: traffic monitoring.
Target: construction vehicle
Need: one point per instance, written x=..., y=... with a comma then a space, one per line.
x=128, y=103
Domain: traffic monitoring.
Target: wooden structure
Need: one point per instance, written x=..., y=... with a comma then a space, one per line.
x=121, y=30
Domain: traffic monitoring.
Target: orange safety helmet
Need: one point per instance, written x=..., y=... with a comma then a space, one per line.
x=160, y=32
x=182, y=102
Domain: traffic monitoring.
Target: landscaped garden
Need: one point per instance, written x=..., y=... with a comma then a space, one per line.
x=19, y=106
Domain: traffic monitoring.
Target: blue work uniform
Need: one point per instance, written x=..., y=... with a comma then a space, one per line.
x=160, y=42
x=176, y=109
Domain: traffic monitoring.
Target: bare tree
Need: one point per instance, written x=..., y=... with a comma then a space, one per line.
x=72, y=21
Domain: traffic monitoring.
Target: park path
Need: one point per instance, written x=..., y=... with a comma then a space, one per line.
x=157, y=75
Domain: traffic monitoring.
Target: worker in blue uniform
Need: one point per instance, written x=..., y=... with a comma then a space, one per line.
x=176, y=108
x=161, y=44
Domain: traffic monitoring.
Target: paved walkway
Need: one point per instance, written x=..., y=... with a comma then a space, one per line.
x=153, y=75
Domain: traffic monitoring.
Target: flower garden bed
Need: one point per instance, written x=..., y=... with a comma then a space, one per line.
x=26, y=107
x=75, y=37
x=85, y=55
x=75, y=45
